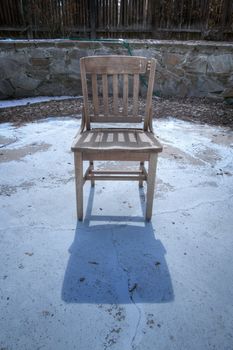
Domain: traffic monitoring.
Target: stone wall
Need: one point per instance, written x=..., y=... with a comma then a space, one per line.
x=51, y=67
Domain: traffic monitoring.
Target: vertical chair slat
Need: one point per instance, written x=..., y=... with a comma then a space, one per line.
x=135, y=94
x=85, y=94
x=95, y=94
x=125, y=94
x=148, y=115
x=115, y=94
x=105, y=93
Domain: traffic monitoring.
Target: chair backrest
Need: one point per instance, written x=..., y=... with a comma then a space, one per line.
x=111, y=89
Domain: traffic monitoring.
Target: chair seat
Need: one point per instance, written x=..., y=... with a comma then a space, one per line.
x=116, y=140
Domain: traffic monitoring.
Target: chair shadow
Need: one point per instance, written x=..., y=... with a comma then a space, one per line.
x=116, y=263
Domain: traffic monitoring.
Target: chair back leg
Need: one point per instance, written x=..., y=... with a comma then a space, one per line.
x=91, y=169
x=141, y=168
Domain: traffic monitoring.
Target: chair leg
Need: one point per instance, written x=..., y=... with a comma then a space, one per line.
x=78, y=163
x=151, y=184
x=141, y=168
x=92, y=168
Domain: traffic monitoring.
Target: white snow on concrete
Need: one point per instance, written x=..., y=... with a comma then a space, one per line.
x=33, y=100
x=114, y=281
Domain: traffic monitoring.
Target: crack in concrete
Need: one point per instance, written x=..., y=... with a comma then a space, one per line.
x=131, y=289
x=195, y=206
x=139, y=319
x=38, y=228
x=9, y=143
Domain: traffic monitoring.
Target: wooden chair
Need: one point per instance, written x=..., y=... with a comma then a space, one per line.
x=106, y=85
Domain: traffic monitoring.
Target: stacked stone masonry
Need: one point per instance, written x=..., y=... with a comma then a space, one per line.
x=51, y=67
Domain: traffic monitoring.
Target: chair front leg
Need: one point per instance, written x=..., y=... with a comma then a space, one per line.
x=151, y=184
x=78, y=163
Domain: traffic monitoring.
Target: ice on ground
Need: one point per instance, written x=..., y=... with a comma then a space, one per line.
x=160, y=285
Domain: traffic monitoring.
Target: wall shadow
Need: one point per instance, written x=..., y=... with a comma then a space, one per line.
x=116, y=263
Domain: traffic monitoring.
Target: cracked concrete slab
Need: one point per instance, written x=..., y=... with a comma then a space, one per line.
x=114, y=281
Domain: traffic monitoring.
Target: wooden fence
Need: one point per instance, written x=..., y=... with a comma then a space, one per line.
x=156, y=19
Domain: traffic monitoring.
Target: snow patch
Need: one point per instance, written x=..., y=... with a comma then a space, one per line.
x=32, y=100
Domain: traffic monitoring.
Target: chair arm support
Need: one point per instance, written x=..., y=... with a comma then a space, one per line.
x=80, y=131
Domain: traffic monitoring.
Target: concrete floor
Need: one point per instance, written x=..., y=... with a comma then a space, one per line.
x=113, y=281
